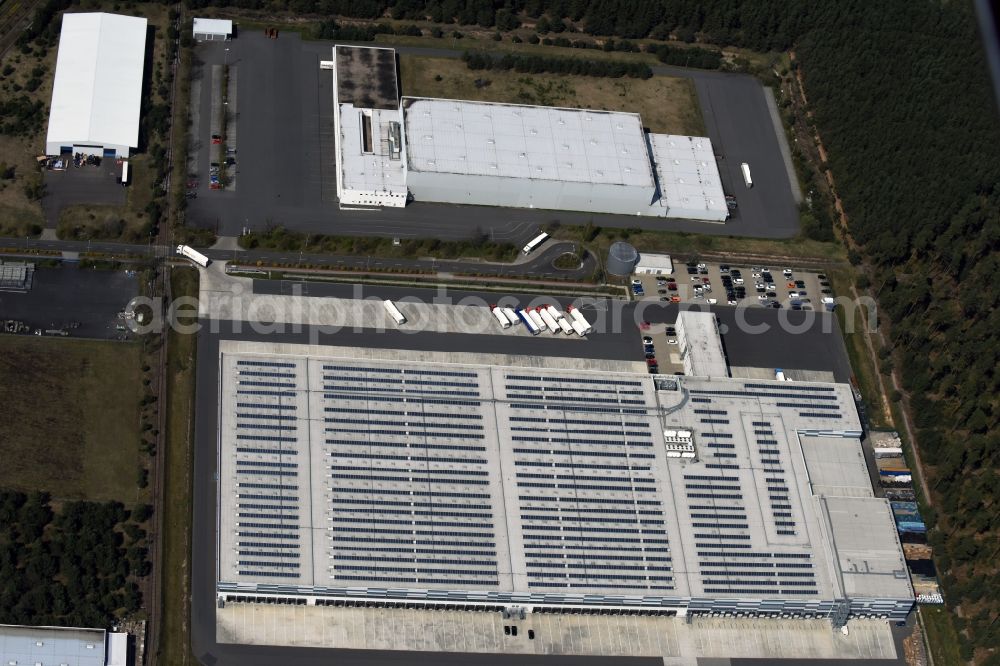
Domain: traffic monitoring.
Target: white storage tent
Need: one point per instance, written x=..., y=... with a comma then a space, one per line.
x=98, y=85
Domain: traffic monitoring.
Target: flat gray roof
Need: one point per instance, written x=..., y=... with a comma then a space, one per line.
x=366, y=76
x=701, y=344
x=51, y=645
x=519, y=141
x=425, y=475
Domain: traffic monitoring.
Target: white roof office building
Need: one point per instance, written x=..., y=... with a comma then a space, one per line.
x=368, y=124
x=97, y=90
x=354, y=476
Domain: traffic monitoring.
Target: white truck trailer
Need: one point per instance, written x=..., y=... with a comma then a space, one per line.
x=193, y=254
x=560, y=319
x=394, y=312
x=550, y=322
x=745, y=168
x=511, y=316
x=578, y=316
x=500, y=316
x=535, y=242
x=537, y=318
x=528, y=322
x=580, y=329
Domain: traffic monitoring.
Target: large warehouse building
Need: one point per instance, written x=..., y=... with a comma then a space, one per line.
x=97, y=90
x=482, y=153
x=356, y=476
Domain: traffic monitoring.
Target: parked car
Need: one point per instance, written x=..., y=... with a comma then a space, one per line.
x=646, y=340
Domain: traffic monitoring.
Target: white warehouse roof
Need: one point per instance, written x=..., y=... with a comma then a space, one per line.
x=207, y=26
x=518, y=141
x=98, y=81
x=690, y=185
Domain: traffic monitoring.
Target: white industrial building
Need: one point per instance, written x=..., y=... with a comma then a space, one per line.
x=701, y=344
x=69, y=646
x=520, y=156
x=368, y=125
x=654, y=264
x=97, y=90
x=206, y=29
x=391, y=151
x=468, y=481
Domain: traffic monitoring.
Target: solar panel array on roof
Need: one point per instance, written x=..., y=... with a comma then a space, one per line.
x=440, y=480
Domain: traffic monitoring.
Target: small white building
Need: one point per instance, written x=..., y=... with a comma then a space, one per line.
x=654, y=264
x=98, y=85
x=210, y=30
x=701, y=345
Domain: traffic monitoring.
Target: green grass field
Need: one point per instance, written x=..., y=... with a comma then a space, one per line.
x=666, y=104
x=69, y=421
x=941, y=636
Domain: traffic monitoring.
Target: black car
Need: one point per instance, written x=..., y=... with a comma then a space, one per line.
x=723, y=268
x=772, y=294
x=766, y=277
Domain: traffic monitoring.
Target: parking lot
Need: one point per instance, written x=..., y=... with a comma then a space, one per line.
x=72, y=301
x=723, y=284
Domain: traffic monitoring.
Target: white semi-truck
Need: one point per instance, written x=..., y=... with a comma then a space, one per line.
x=537, y=318
x=578, y=317
x=500, y=316
x=550, y=322
x=560, y=319
x=580, y=329
x=511, y=316
x=193, y=254
x=528, y=322
x=394, y=312
x=745, y=168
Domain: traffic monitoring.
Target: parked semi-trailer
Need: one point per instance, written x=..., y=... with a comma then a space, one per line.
x=511, y=316
x=560, y=319
x=535, y=242
x=580, y=329
x=578, y=316
x=537, y=318
x=550, y=323
x=394, y=312
x=745, y=168
x=500, y=316
x=528, y=322
x=193, y=254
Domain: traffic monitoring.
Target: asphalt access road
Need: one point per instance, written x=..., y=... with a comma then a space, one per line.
x=539, y=264
x=286, y=172
x=752, y=336
x=81, y=185
x=68, y=293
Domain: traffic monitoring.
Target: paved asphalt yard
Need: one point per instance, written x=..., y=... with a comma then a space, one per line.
x=67, y=294
x=286, y=156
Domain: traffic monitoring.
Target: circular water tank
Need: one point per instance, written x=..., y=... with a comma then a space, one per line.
x=621, y=259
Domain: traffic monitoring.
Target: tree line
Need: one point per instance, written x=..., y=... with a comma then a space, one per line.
x=534, y=64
